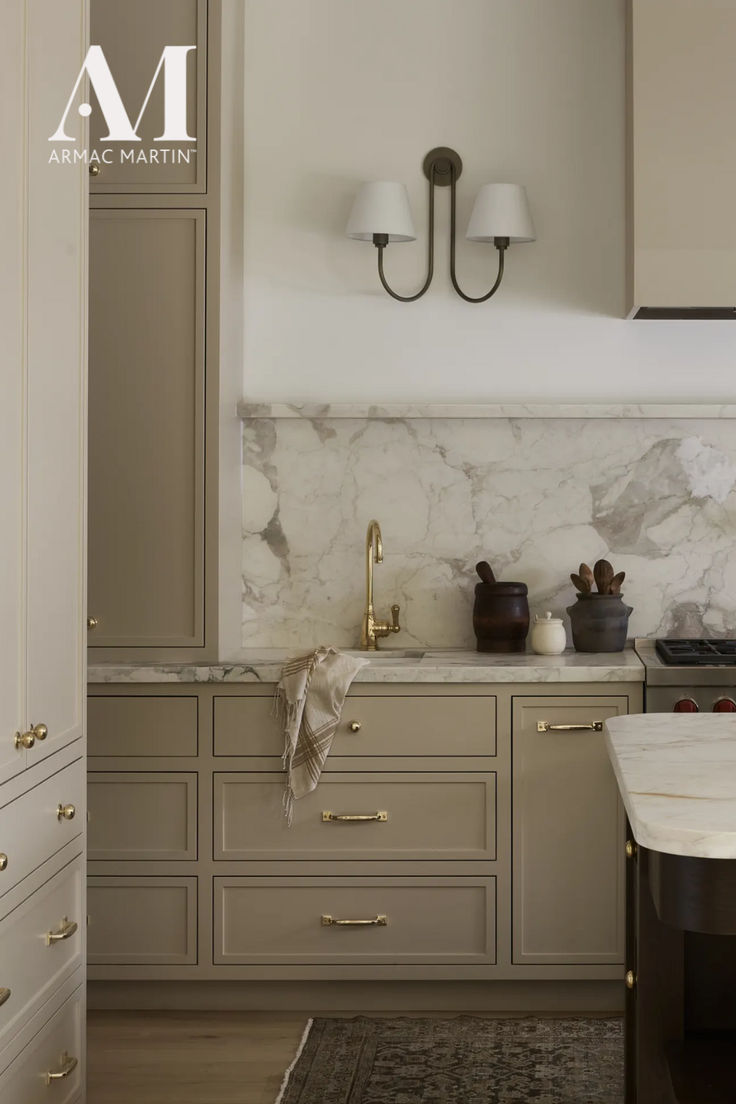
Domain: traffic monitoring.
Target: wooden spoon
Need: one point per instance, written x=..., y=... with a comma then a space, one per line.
x=485, y=571
x=581, y=585
x=585, y=573
x=603, y=574
x=616, y=582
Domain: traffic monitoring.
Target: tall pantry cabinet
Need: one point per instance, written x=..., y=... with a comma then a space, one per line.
x=43, y=348
x=153, y=349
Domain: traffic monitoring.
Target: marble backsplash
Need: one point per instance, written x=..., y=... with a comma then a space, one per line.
x=533, y=496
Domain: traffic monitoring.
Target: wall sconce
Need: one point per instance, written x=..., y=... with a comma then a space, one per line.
x=381, y=214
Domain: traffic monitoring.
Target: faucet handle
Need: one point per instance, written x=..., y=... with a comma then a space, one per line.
x=395, y=626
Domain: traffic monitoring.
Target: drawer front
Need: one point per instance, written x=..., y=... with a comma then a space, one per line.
x=141, y=921
x=388, y=726
x=52, y=1052
x=42, y=940
x=568, y=831
x=31, y=829
x=141, y=726
x=423, y=920
x=142, y=816
x=422, y=816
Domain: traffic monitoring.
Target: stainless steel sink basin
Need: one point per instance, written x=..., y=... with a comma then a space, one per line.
x=388, y=655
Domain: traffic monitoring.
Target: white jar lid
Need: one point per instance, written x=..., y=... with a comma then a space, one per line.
x=547, y=619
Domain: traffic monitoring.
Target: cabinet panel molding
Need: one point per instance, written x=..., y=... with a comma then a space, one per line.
x=142, y=816
x=142, y=727
x=140, y=920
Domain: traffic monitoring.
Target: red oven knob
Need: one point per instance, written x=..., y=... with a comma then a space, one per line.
x=725, y=705
x=686, y=705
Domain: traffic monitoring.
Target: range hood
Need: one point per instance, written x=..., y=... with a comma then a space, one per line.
x=681, y=256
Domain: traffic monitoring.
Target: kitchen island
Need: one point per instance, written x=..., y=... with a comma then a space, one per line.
x=677, y=778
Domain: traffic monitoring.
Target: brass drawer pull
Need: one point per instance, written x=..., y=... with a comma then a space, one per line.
x=4, y=995
x=65, y=812
x=67, y=1065
x=630, y=979
x=630, y=849
x=377, y=922
x=3, y=861
x=354, y=818
x=354, y=726
x=591, y=726
x=66, y=931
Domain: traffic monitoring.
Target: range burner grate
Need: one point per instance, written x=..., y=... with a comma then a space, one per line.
x=697, y=653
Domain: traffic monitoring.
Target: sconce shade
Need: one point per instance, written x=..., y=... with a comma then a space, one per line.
x=381, y=207
x=501, y=211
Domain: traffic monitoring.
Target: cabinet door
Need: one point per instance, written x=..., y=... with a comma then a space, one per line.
x=568, y=831
x=146, y=428
x=133, y=35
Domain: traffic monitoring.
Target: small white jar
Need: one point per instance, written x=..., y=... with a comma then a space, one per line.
x=548, y=635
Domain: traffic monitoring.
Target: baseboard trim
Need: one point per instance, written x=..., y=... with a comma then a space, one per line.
x=346, y=997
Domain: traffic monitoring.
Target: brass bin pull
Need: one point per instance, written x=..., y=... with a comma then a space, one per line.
x=67, y=1064
x=379, y=921
x=354, y=818
x=66, y=931
x=591, y=726
x=4, y=995
x=65, y=812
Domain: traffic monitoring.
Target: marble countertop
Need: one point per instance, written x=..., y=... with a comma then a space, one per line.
x=248, y=409
x=677, y=777
x=397, y=665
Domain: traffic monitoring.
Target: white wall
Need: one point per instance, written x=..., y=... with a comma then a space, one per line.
x=337, y=91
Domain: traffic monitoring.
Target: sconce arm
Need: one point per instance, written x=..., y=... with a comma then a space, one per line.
x=381, y=241
x=500, y=243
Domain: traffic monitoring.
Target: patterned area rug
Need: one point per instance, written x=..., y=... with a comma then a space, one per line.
x=460, y=1061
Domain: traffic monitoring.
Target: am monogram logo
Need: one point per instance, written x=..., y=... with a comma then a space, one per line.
x=173, y=61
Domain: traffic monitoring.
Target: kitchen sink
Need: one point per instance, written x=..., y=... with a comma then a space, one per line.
x=387, y=655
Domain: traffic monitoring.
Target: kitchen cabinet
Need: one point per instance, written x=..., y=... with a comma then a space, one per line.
x=43, y=261
x=471, y=889
x=568, y=823
x=153, y=377
x=681, y=165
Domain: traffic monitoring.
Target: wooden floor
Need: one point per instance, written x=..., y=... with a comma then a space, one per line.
x=189, y=1058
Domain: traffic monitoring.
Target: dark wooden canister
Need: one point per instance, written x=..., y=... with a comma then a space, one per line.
x=501, y=617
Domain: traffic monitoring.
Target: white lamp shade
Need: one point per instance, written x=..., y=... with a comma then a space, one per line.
x=381, y=207
x=501, y=211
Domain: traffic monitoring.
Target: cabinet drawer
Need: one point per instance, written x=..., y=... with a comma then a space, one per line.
x=58, y=1044
x=33, y=966
x=44, y=831
x=418, y=725
x=427, y=920
x=141, y=726
x=142, y=816
x=568, y=831
x=423, y=816
x=137, y=921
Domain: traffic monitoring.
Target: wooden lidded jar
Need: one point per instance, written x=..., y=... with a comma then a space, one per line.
x=501, y=617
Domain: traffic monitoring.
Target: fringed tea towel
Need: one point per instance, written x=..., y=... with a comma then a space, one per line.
x=309, y=701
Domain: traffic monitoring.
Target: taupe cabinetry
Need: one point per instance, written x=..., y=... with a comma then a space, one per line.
x=405, y=862
x=153, y=324
x=568, y=825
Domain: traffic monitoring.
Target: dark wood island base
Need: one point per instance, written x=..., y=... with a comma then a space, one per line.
x=681, y=978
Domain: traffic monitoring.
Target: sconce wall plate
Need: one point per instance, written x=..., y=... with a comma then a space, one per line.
x=381, y=214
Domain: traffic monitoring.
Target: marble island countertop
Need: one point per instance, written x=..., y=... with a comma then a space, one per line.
x=395, y=665
x=677, y=777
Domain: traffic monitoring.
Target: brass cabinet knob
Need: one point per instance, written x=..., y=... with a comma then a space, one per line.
x=3, y=861
x=94, y=169
x=4, y=995
x=24, y=740
x=630, y=979
x=630, y=849
x=66, y=812
x=92, y=623
x=40, y=731
x=355, y=726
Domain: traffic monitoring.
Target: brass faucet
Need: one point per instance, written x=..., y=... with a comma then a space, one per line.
x=373, y=629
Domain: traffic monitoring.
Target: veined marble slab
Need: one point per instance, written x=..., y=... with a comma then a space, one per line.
x=430, y=666
x=249, y=410
x=677, y=777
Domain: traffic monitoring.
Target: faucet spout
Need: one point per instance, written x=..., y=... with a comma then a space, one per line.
x=371, y=629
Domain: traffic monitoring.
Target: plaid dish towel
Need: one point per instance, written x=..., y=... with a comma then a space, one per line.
x=309, y=701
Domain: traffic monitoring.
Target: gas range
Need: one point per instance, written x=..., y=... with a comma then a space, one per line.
x=689, y=676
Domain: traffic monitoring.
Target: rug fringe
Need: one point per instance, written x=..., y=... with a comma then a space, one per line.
x=295, y=1059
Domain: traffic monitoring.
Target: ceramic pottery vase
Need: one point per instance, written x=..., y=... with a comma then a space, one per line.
x=600, y=622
